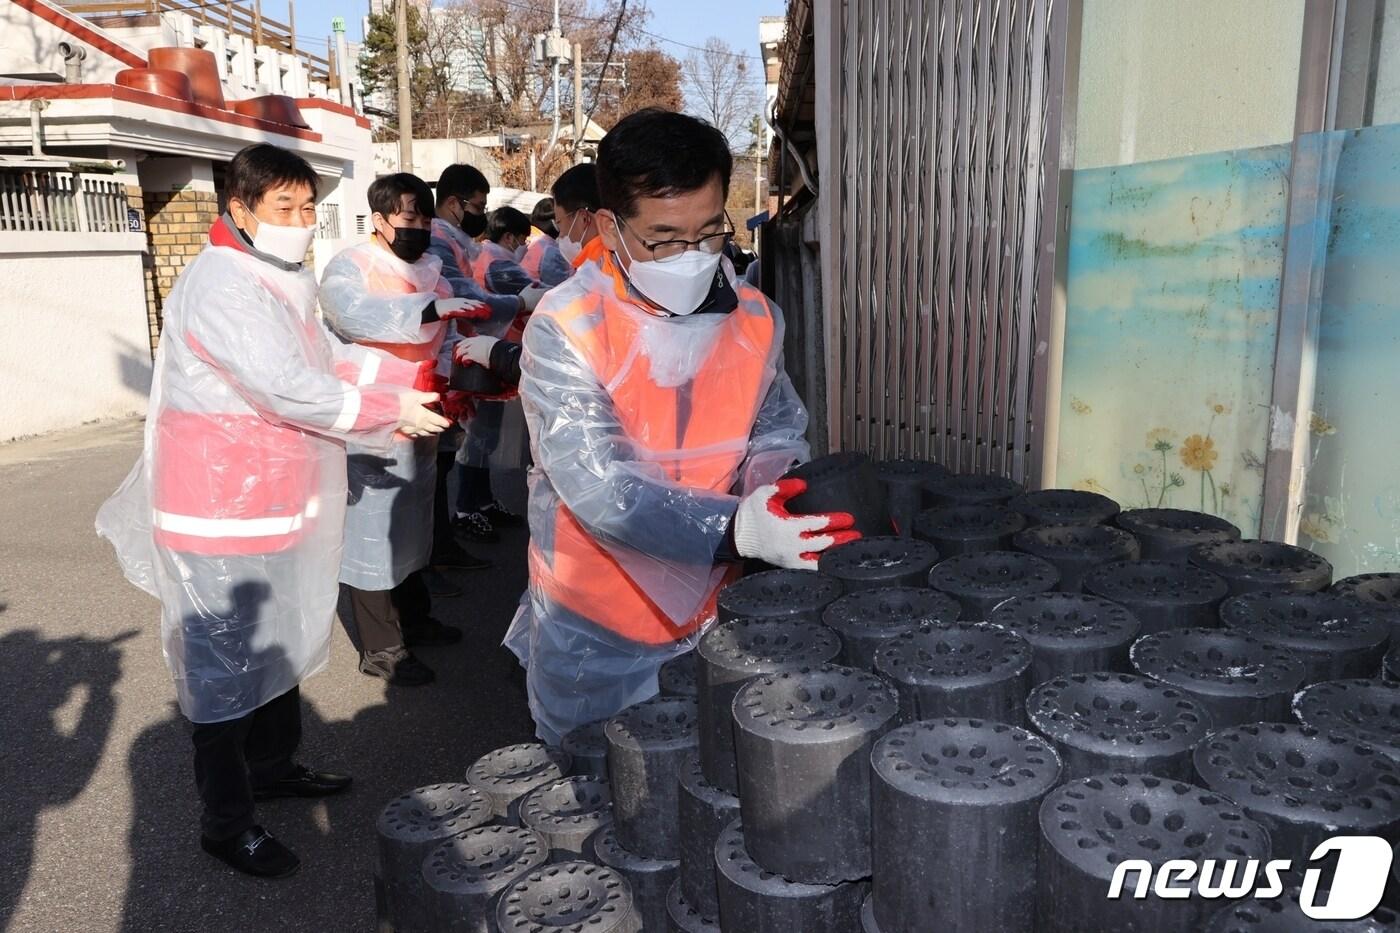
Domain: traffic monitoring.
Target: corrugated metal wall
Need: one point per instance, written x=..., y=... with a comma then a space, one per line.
x=945, y=119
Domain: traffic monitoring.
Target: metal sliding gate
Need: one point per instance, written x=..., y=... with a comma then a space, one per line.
x=939, y=241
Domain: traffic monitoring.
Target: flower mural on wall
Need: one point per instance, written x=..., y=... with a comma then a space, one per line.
x=1151, y=473
x=1198, y=453
x=1172, y=305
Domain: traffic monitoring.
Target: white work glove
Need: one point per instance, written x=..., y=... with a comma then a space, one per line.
x=530, y=296
x=464, y=308
x=766, y=530
x=474, y=350
x=417, y=421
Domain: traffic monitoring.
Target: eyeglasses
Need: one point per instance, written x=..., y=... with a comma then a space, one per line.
x=667, y=250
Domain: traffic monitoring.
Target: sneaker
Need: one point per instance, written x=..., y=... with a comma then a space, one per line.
x=501, y=517
x=457, y=558
x=254, y=852
x=430, y=633
x=397, y=666
x=437, y=584
x=475, y=526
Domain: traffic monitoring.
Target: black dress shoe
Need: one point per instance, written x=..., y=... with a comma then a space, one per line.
x=429, y=633
x=303, y=782
x=253, y=852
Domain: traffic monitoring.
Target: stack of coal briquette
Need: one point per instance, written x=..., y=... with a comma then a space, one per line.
x=962, y=722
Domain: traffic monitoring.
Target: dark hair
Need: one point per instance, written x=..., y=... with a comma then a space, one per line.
x=542, y=212
x=656, y=153
x=542, y=217
x=577, y=188
x=386, y=194
x=461, y=181
x=257, y=169
x=505, y=220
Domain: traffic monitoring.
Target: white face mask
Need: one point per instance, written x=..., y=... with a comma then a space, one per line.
x=678, y=284
x=569, y=248
x=288, y=244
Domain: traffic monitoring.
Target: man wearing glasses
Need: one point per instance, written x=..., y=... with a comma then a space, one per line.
x=660, y=416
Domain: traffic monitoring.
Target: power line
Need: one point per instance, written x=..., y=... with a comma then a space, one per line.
x=579, y=17
x=607, y=60
x=700, y=48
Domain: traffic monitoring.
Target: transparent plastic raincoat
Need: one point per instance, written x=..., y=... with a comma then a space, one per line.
x=457, y=251
x=544, y=262
x=233, y=516
x=645, y=431
x=373, y=298
x=497, y=269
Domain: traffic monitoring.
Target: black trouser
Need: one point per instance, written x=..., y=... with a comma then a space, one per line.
x=236, y=755
x=474, y=489
x=374, y=619
x=442, y=521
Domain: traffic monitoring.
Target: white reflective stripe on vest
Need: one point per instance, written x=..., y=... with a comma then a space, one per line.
x=370, y=370
x=196, y=527
x=349, y=412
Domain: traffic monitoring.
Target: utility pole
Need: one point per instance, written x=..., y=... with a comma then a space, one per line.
x=757, y=180
x=757, y=186
x=578, y=104
x=405, y=96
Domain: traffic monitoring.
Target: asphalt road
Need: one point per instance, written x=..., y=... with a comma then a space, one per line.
x=98, y=813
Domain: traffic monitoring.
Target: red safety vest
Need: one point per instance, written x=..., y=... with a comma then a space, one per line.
x=581, y=574
x=227, y=484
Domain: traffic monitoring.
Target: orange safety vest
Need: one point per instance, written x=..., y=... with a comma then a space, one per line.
x=593, y=251
x=581, y=574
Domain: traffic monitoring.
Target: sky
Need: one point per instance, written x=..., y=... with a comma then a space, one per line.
x=682, y=22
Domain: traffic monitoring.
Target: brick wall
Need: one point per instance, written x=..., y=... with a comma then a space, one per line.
x=177, y=227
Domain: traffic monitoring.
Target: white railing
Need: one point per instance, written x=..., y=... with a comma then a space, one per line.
x=328, y=221
x=55, y=200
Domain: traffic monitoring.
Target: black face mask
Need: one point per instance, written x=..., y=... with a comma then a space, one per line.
x=473, y=225
x=410, y=243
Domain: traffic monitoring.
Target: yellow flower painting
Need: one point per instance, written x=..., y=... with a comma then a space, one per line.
x=1199, y=453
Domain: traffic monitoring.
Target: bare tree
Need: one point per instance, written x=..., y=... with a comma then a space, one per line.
x=497, y=37
x=720, y=87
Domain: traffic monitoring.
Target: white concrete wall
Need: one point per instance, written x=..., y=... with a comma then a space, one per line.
x=29, y=46
x=1159, y=80
x=76, y=347
x=431, y=156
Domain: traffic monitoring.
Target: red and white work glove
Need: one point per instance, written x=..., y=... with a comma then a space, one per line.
x=764, y=528
x=475, y=349
x=464, y=308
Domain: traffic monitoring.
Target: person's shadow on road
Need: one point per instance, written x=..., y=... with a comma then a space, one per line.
x=59, y=693
x=417, y=737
